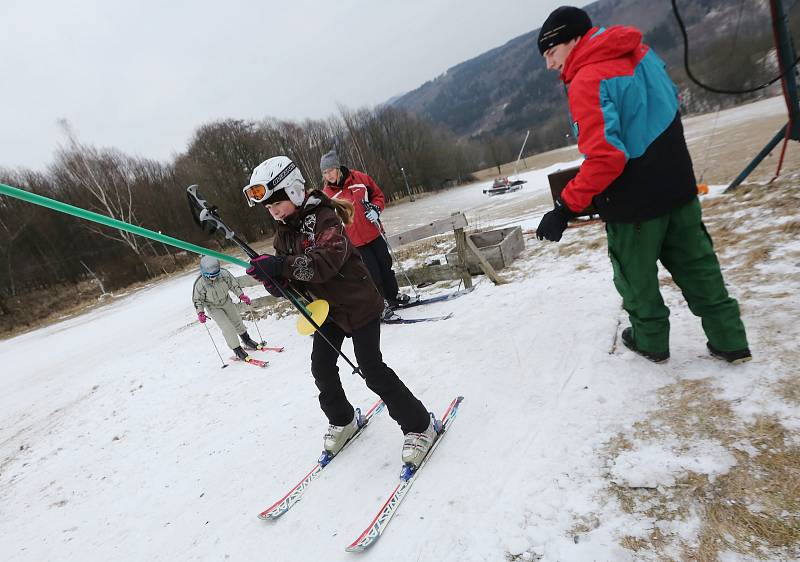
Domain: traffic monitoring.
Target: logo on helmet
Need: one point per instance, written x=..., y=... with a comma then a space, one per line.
x=274, y=182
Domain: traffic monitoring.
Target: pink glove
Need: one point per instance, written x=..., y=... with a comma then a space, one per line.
x=201, y=316
x=244, y=298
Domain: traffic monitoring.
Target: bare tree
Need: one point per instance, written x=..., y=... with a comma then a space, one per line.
x=107, y=176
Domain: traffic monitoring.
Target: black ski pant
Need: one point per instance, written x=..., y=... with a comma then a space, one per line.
x=378, y=260
x=403, y=406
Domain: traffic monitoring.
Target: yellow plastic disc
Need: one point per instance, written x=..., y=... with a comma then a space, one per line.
x=319, y=312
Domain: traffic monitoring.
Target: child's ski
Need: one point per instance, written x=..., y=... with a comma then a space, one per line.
x=295, y=494
x=251, y=361
x=407, y=477
x=263, y=347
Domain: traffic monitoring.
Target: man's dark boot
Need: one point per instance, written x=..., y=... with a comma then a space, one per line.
x=733, y=357
x=654, y=356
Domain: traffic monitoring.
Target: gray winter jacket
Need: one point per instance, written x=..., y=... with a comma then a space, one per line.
x=208, y=293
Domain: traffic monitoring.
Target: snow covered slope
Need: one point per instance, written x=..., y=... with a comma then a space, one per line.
x=121, y=438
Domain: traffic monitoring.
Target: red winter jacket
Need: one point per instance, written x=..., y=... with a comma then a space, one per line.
x=357, y=187
x=624, y=109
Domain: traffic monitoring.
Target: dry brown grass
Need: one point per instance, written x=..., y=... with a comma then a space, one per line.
x=753, y=510
x=789, y=389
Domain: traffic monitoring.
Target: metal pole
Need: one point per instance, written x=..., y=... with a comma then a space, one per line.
x=215, y=346
x=253, y=319
x=527, y=134
x=786, y=55
x=403, y=271
x=405, y=179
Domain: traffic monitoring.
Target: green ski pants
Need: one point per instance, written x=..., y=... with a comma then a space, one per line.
x=229, y=321
x=678, y=240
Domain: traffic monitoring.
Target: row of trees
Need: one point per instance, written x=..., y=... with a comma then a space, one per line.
x=42, y=252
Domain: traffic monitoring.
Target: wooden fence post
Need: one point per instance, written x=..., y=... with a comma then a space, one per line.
x=461, y=248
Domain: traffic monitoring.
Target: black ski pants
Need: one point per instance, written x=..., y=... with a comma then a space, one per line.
x=403, y=406
x=378, y=260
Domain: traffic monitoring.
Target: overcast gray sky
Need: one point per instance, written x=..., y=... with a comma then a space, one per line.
x=142, y=75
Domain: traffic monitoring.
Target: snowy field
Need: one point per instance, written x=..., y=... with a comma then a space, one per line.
x=122, y=438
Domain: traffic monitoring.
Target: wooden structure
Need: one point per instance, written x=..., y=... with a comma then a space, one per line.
x=467, y=252
x=498, y=247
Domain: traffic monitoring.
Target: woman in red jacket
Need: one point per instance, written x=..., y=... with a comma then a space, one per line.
x=358, y=188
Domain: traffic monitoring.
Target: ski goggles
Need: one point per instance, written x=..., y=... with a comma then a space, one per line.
x=208, y=275
x=261, y=192
x=255, y=194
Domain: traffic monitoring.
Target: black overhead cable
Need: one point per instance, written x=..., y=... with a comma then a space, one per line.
x=711, y=88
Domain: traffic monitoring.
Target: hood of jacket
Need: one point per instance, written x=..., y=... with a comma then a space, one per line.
x=600, y=45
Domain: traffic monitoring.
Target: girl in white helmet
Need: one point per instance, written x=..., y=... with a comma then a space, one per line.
x=315, y=257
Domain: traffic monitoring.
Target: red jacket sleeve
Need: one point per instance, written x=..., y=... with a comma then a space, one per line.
x=598, y=140
x=375, y=193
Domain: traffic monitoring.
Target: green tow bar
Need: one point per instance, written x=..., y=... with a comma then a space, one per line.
x=108, y=221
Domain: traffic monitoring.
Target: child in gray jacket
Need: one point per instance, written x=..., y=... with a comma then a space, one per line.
x=211, y=293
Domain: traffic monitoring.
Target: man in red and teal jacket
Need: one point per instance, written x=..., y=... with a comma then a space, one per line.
x=367, y=198
x=638, y=173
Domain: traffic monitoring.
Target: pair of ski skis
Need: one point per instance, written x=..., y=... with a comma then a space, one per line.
x=420, y=302
x=258, y=362
x=390, y=506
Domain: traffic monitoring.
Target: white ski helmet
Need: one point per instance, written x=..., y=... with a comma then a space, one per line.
x=272, y=175
x=209, y=267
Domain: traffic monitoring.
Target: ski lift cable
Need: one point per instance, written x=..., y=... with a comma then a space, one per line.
x=711, y=88
x=719, y=105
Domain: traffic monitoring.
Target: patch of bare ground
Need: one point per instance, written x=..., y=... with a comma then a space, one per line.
x=753, y=509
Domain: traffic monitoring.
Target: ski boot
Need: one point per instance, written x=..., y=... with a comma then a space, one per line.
x=417, y=445
x=733, y=357
x=338, y=435
x=241, y=354
x=388, y=312
x=654, y=356
x=249, y=343
x=401, y=299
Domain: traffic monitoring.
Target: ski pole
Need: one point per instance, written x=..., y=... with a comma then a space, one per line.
x=215, y=347
x=253, y=319
x=379, y=224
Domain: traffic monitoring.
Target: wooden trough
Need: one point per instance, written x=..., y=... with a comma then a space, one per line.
x=498, y=247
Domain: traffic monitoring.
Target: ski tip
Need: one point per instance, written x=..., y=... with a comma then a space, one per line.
x=268, y=516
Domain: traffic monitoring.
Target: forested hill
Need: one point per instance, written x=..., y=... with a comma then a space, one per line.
x=508, y=90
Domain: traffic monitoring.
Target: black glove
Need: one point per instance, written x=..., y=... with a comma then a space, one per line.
x=266, y=268
x=554, y=222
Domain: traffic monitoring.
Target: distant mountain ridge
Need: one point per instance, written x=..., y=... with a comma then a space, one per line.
x=508, y=89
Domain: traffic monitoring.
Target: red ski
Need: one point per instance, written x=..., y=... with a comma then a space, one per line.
x=251, y=361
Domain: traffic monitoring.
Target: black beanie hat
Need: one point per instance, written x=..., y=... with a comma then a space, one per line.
x=562, y=25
